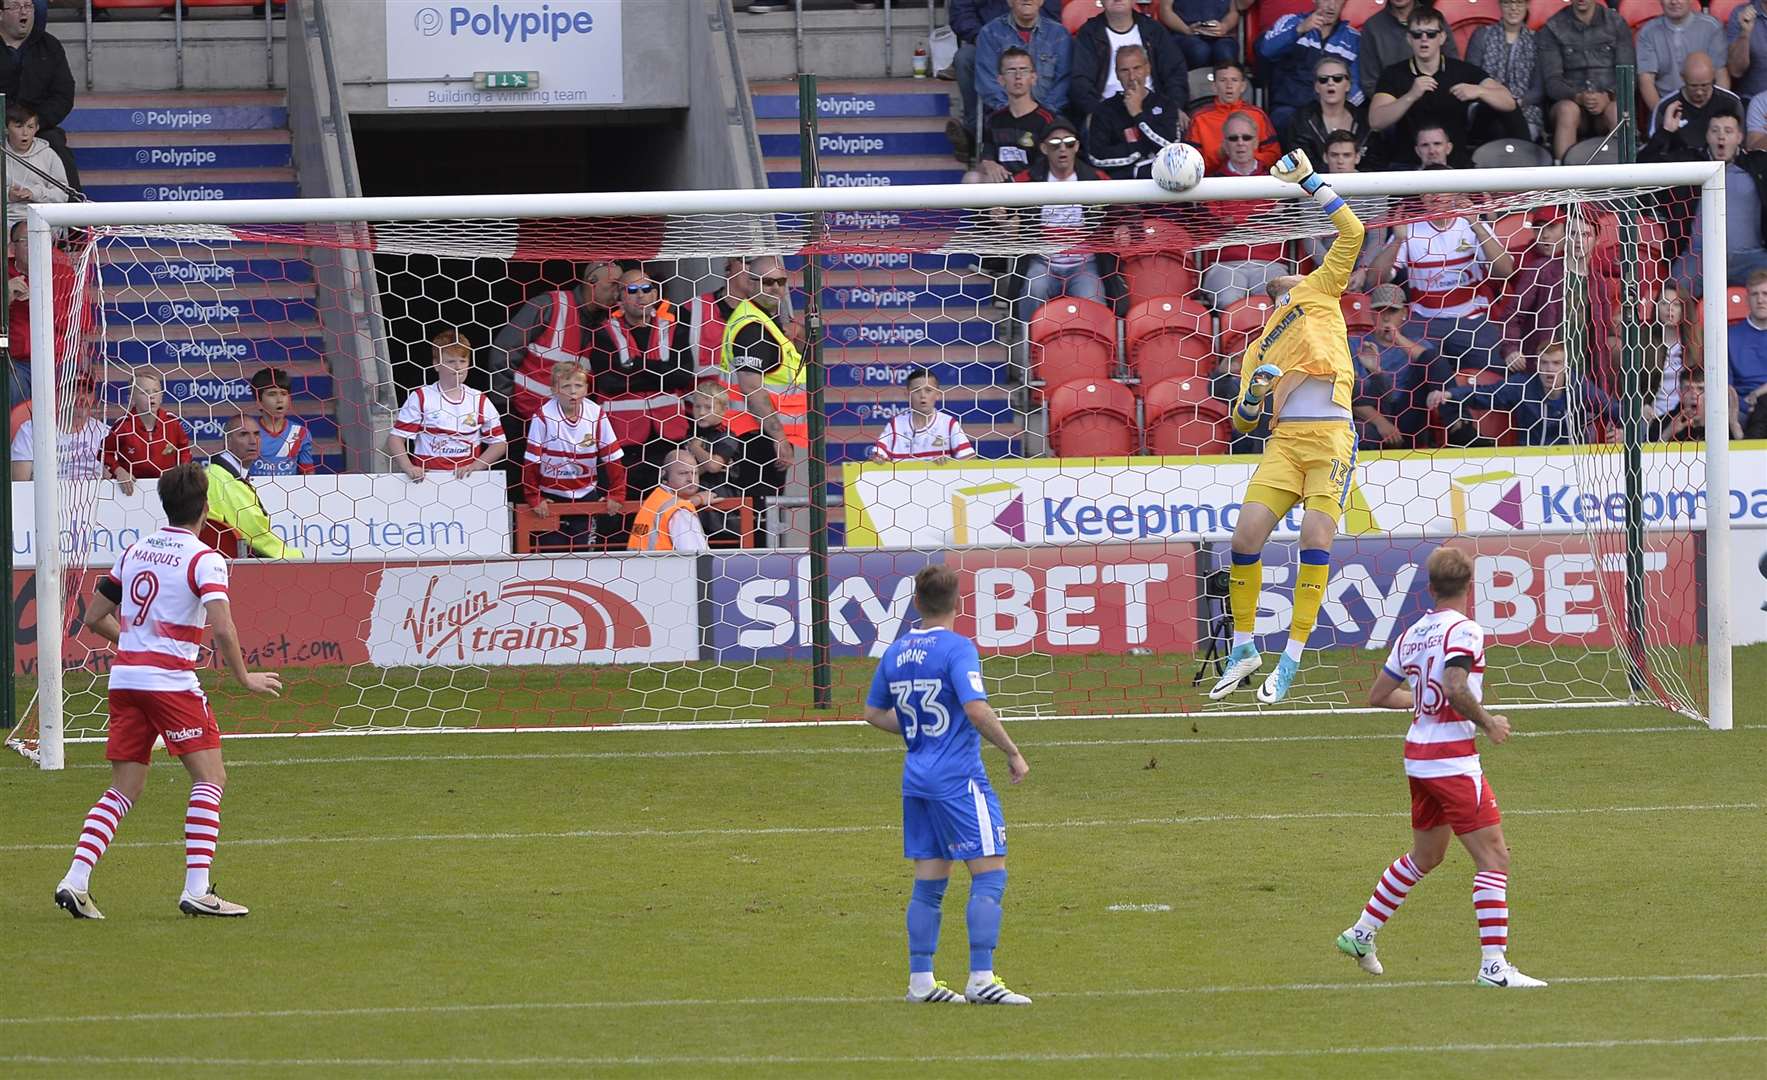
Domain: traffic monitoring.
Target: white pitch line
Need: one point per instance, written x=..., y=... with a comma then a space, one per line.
x=891, y=748
x=842, y=830
x=1030, y=1058
x=1139, y=907
x=452, y=1008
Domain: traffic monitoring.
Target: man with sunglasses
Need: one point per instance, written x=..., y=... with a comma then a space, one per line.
x=1294, y=46
x=1330, y=112
x=552, y=327
x=641, y=366
x=1131, y=127
x=1579, y=50
x=763, y=371
x=1053, y=271
x=1433, y=88
x=1386, y=41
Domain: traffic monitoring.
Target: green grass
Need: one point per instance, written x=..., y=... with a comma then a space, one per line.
x=560, y=880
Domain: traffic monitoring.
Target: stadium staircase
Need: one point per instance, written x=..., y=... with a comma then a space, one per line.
x=886, y=313
x=206, y=316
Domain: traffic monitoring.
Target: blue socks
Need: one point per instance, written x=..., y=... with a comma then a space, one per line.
x=983, y=917
x=923, y=922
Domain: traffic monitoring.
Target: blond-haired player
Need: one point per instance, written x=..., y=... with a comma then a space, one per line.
x=1299, y=373
x=1436, y=669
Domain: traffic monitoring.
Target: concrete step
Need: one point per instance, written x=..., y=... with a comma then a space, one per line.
x=179, y=150
x=120, y=292
x=223, y=313
x=860, y=125
x=858, y=100
x=204, y=349
x=173, y=112
x=222, y=273
x=192, y=186
x=845, y=146
x=228, y=385
x=883, y=369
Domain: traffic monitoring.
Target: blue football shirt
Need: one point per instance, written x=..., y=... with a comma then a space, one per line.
x=927, y=676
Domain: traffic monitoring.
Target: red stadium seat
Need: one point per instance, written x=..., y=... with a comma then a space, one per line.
x=1464, y=29
x=1357, y=12
x=1357, y=314
x=1514, y=231
x=1721, y=9
x=123, y=5
x=1184, y=418
x=1155, y=274
x=1242, y=322
x=1737, y=309
x=1095, y=418
x=1638, y=12
x=1073, y=339
x=1169, y=336
x=1541, y=10
x=1076, y=13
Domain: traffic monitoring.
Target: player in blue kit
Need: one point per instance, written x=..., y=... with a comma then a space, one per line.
x=928, y=687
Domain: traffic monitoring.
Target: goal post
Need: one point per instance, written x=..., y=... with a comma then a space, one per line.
x=935, y=248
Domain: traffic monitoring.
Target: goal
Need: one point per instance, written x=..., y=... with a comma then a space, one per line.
x=1531, y=413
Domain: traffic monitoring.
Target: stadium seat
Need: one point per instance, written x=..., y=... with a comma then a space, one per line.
x=1157, y=274
x=1515, y=232
x=1638, y=12
x=1241, y=323
x=1073, y=339
x=1721, y=9
x=1591, y=151
x=1737, y=308
x=1511, y=154
x=1495, y=425
x=1077, y=13
x=1184, y=418
x=1093, y=418
x=1357, y=314
x=125, y=5
x=1202, y=87
x=1357, y=12
x=1541, y=10
x=1169, y=337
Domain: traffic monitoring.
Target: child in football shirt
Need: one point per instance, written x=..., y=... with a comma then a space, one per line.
x=447, y=426
x=149, y=440
x=571, y=445
x=928, y=687
x=925, y=432
x=285, y=445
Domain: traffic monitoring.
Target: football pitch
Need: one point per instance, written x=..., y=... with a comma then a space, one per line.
x=730, y=903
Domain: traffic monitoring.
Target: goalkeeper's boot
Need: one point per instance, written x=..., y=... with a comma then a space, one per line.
x=1242, y=663
x=992, y=992
x=76, y=902
x=210, y=904
x=1359, y=946
x=1275, y=687
x=1503, y=975
x=939, y=994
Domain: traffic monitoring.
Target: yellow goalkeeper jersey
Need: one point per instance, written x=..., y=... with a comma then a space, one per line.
x=1306, y=336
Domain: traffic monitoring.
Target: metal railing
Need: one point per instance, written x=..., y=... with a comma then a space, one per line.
x=178, y=16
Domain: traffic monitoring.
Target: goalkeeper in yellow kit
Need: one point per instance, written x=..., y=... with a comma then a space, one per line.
x=1299, y=372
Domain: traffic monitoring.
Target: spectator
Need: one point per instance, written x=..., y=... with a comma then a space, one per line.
x=1386, y=41
x=1330, y=111
x=1206, y=31
x=1206, y=123
x=1557, y=295
x=967, y=17
x=1746, y=56
x=1579, y=49
x=1374, y=393
x=1540, y=404
x=34, y=70
x=78, y=447
x=1448, y=258
x=285, y=445
x=571, y=446
x=1688, y=422
x=762, y=367
x=1508, y=51
x=1095, y=58
x=1665, y=43
x=550, y=327
x=1012, y=136
x=1293, y=47
x=731, y=466
x=1051, y=49
x=1235, y=272
x=238, y=526
x=70, y=332
x=447, y=426
x=1748, y=359
x=1411, y=365
x=707, y=313
x=642, y=367
x=1432, y=88
x=1432, y=147
x=1678, y=126
x=1342, y=153
x=1239, y=135
x=1053, y=271
x=1755, y=123
x=1676, y=347
x=149, y=440
x=36, y=171
x=1129, y=128
x=925, y=432
x=1745, y=192
x=668, y=519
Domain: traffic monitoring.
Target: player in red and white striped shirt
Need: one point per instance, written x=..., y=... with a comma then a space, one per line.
x=447, y=426
x=152, y=606
x=1442, y=658
x=925, y=432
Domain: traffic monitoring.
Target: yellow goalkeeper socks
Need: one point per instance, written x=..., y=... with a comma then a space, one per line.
x=1309, y=594
x=1244, y=582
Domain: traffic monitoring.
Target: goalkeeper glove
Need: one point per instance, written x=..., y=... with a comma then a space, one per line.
x=1296, y=169
x=1264, y=376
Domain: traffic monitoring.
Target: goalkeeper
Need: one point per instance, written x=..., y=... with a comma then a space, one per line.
x=1299, y=372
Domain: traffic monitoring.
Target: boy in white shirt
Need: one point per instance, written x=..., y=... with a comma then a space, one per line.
x=447, y=426
x=36, y=174
x=925, y=432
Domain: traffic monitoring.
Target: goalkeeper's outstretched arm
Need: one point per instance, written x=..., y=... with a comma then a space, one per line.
x=1333, y=275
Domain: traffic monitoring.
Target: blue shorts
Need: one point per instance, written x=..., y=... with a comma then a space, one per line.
x=967, y=826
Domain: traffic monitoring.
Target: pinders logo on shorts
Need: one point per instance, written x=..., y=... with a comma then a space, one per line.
x=544, y=614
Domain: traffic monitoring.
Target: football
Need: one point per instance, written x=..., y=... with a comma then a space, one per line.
x=1178, y=167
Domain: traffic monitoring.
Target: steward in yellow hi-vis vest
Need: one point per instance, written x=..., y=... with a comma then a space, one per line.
x=756, y=346
x=1300, y=374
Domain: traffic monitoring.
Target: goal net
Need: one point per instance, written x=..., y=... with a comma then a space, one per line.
x=1531, y=392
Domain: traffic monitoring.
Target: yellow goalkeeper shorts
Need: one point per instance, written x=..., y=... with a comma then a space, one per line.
x=1307, y=461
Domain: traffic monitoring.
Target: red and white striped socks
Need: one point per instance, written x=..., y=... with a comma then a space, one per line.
x=202, y=828
x=1491, y=906
x=1394, y=885
x=101, y=826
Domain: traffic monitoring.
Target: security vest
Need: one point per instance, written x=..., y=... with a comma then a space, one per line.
x=237, y=525
x=638, y=416
x=650, y=528
x=564, y=339
x=784, y=384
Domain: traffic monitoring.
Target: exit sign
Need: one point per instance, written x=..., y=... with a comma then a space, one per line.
x=505, y=80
